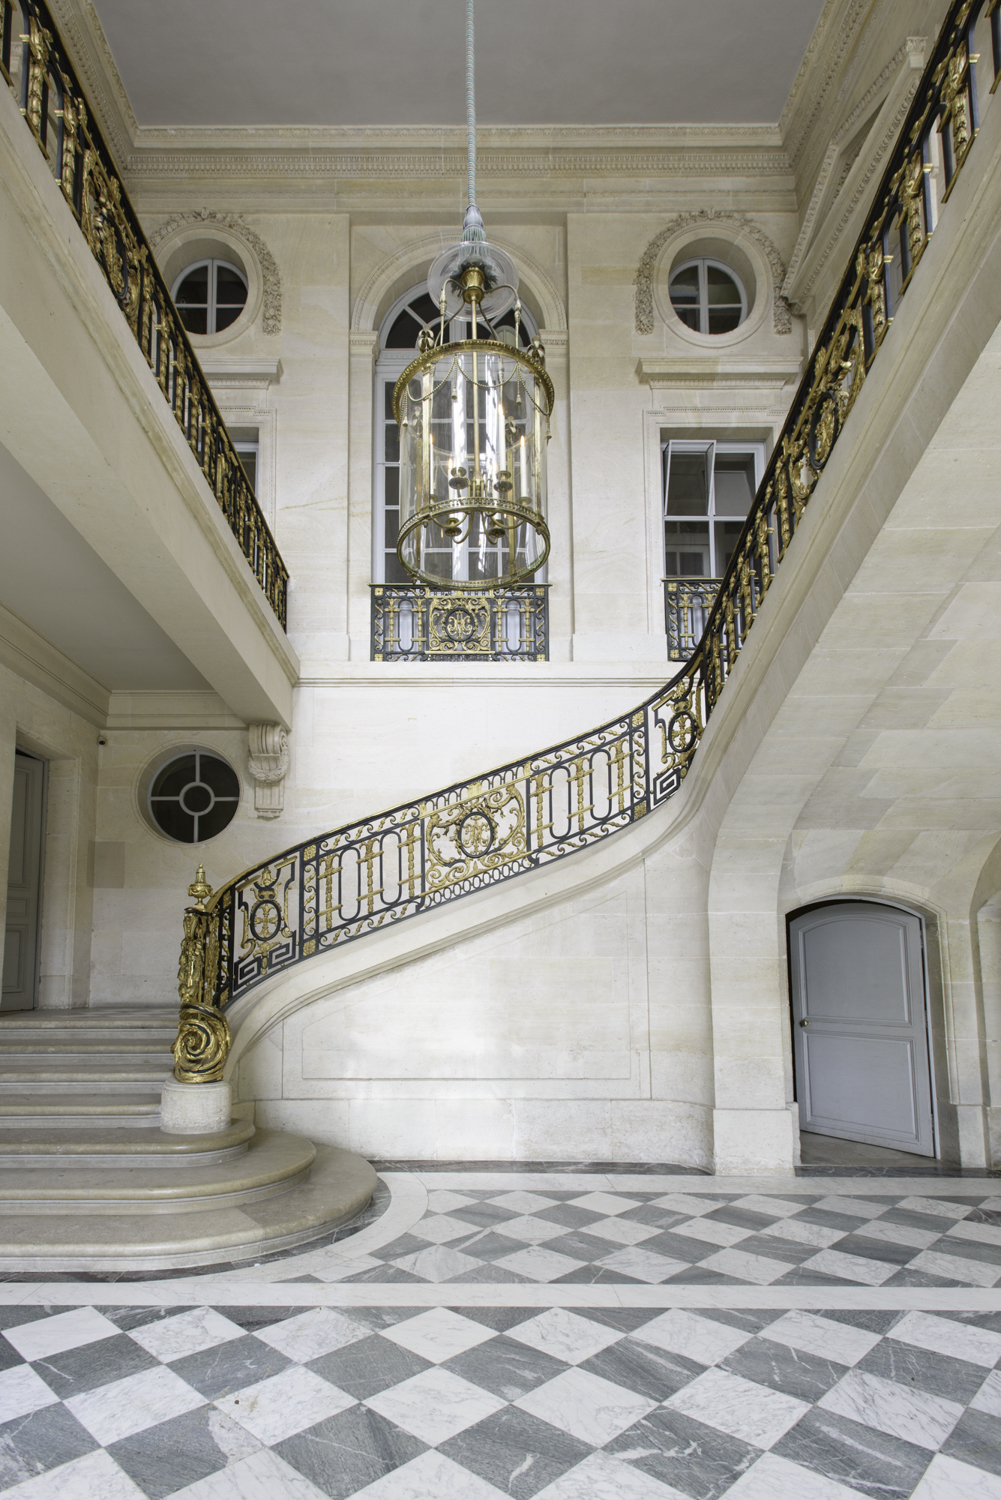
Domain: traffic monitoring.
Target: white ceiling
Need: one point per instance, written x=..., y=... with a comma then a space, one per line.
x=400, y=62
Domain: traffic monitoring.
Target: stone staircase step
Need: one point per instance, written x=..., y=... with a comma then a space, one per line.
x=113, y=1020
x=47, y=1145
x=81, y=1073
x=82, y=1111
x=339, y=1186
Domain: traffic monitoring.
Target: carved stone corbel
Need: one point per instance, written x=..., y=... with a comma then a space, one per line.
x=268, y=764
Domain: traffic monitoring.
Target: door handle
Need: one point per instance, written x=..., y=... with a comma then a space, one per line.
x=804, y=1023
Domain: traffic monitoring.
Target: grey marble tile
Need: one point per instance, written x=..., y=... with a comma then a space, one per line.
x=872, y=1462
x=683, y=1247
x=873, y=1319
x=9, y=1356
x=34, y=1444
x=976, y=1440
x=517, y=1453
x=703, y=1276
x=84, y=1369
x=873, y=1249
x=626, y=1319
x=653, y=1372
x=406, y=1244
x=14, y=1315
x=744, y=1317
x=486, y=1271
x=776, y=1248
x=506, y=1367
x=487, y=1244
x=383, y=1273
x=784, y=1368
x=951, y=1244
x=368, y=1366
x=592, y=1275
x=165, y=1458
x=830, y=1219
x=680, y=1451
x=580, y=1245
x=379, y=1318
x=810, y=1276
x=127, y=1318
x=659, y=1218
x=745, y=1218
x=229, y=1367
x=924, y=1370
x=346, y=1452
x=570, y=1215
x=250, y=1318
x=502, y=1318
x=482, y=1214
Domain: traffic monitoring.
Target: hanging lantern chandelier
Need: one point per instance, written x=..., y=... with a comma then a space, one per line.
x=474, y=418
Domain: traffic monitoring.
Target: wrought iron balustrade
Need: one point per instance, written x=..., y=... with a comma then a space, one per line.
x=36, y=67
x=687, y=605
x=413, y=622
x=523, y=816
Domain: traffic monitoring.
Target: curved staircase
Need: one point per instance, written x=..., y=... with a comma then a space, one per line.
x=89, y=1182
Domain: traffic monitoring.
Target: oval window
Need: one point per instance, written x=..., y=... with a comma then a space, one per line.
x=708, y=296
x=210, y=295
x=193, y=797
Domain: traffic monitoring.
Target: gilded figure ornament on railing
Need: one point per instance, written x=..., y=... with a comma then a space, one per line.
x=203, y=1037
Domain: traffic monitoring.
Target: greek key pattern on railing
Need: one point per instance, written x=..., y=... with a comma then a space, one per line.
x=379, y=871
x=35, y=65
x=687, y=605
x=413, y=622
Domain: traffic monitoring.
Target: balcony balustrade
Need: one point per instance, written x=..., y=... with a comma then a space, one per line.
x=413, y=622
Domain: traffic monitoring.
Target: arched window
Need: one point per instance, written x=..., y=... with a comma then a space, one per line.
x=210, y=295
x=397, y=347
x=708, y=296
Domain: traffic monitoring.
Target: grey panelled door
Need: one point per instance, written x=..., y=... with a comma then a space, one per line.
x=860, y=1034
x=24, y=870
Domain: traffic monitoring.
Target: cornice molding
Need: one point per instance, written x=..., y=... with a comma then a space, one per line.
x=835, y=38
x=715, y=218
x=83, y=36
x=238, y=226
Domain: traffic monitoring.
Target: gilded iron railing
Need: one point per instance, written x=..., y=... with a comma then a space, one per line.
x=35, y=65
x=687, y=605
x=381, y=870
x=412, y=622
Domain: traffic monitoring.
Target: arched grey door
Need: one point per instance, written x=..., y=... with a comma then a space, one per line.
x=860, y=1033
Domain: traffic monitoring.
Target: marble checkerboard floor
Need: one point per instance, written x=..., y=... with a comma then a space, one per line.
x=566, y=1336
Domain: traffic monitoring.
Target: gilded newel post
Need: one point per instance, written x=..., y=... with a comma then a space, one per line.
x=203, y=1038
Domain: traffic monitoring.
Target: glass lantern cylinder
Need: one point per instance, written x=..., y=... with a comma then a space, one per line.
x=474, y=424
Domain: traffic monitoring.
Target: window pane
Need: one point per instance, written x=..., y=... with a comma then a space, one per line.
x=248, y=458
x=395, y=571
x=195, y=319
x=171, y=781
x=388, y=389
x=733, y=483
x=194, y=287
x=225, y=316
x=403, y=334
x=685, y=285
x=687, y=484
x=424, y=308
x=727, y=533
x=230, y=287
x=392, y=446
x=687, y=549
x=722, y=319
x=720, y=286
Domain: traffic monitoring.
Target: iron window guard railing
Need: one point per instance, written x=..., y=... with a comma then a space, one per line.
x=688, y=603
x=413, y=622
x=381, y=870
x=53, y=104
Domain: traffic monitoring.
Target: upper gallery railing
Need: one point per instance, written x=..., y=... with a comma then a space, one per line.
x=35, y=64
x=413, y=622
x=687, y=602
x=383, y=869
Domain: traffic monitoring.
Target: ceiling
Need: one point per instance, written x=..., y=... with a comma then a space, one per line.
x=400, y=62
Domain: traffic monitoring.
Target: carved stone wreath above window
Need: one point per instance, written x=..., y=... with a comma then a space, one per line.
x=722, y=224
x=179, y=227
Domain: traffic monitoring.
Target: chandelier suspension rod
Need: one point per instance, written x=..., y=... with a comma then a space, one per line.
x=472, y=227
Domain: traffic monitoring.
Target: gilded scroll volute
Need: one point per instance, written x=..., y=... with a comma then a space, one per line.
x=203, y=1035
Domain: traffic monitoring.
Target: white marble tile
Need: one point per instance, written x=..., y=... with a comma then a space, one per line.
x=604, y=1203
x=539, y=1263
x=898, y=1234
x=264, y=1476
x=443, y=1201
x=939, y=1206
x=431, y=1476
x=987, y=1234
x=755, y=1413
x=945, y=1336
x=439, y=1334
x=313, y=1333
x=687, y=1203
x=948, y=1479
x=338, y=1270
x=283, y=1404
x=802, y=1233
x=188, y=1333
x=21, y=1392
x=760, y=1270
x=622, y=1231
x=440, y=1228
x=913, y=1416
x=68, y=1330
x=698, y=1338
x=436, y=1263
x=851, y=1267
x=529, y=1230
x=435, y=1405
x=522, y=1203
x=601, y=1477
x=775, y=1478
x=841, y=1342
x=957, y=1268
x=713, y=1231
x=644, y=1265
x=857, y=1208
x=585, y=1405
x=96, y=1476
x=131, y=1405
x=565, y=1335
x=775, y=1208
x=988, y=1398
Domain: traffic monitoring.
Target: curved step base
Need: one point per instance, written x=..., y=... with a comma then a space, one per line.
x=339, y=1186
x=33, y=1144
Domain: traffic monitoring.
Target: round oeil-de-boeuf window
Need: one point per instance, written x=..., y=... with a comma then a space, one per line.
x=193, y=797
